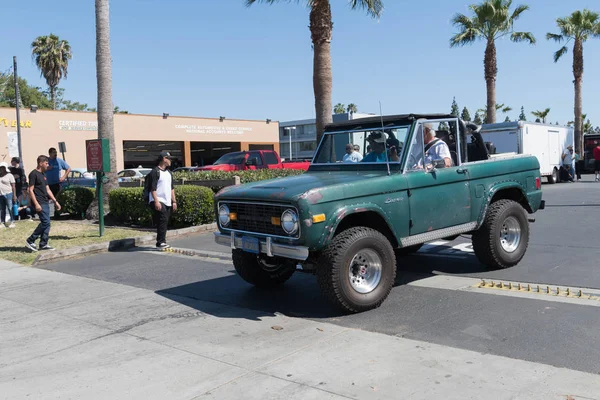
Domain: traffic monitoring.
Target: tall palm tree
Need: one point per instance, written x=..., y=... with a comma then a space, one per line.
x=579, y=27
x=105, y=104
x=321, y=27
x=541, y=114
x=491, y=21
x=51, y=55
x=339, y=108
x=352, y=108
x=498, y=107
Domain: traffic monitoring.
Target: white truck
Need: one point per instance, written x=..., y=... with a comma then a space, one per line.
x=546, y=142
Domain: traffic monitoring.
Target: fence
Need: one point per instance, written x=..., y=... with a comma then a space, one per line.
x=207, y=183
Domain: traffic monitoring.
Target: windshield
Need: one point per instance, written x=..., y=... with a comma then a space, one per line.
x=369, y=146
x=145, y=171
x=231, y=158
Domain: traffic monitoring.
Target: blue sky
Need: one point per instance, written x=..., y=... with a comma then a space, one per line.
x=211, y=58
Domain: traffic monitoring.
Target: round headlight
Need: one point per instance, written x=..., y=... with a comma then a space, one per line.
x=289, y=222
x=224, y=215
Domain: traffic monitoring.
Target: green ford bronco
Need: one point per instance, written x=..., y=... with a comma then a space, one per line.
x=414, y=179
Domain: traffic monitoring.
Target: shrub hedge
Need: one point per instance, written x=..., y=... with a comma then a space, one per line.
x=194, y=206
x=75, y=200
x=245, y=176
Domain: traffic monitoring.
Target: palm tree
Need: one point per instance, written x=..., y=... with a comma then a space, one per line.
x=339, y=108
x=498, y=107
x=321, y=27
x=352, y=108
x=541, y=114
x=579, y=27
x=105, y=103
x=51, y=56
x=491, y=21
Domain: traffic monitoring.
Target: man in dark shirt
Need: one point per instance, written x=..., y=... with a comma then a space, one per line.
x=19, y=174
x=39, y=193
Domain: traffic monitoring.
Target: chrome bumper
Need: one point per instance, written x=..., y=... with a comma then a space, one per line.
x=266, y=246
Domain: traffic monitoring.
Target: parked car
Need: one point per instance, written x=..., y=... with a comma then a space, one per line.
x=255, y=159
x=133, y=174
x=81, y=177
x=186, y=169
x=347, y=223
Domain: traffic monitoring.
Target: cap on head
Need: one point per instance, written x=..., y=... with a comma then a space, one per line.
x=164, y=154
x=376, y=137
x=4, y=164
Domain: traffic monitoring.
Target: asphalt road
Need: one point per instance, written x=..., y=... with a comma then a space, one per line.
x=563, y=251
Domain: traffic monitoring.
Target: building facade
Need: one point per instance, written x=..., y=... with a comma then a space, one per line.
x=139, y=138
x=301, y=135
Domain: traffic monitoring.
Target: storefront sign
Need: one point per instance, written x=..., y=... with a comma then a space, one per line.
x=78, y=125
x=214, y=130
x=97, y=154
x=13, y=123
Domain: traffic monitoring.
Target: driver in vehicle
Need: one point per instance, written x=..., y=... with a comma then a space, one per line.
x=377, y=142
x=435, y=148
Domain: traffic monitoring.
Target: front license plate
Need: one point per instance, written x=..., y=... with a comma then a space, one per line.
x=250, y=244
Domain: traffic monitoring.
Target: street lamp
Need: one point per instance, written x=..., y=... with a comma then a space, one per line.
x=289, y=129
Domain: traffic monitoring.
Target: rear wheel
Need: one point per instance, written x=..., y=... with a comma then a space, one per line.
x=552, y=179
x=357, y=270
x=502, y=240
x=261, y=271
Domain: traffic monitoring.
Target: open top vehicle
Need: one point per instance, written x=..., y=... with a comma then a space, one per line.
x=348, y=222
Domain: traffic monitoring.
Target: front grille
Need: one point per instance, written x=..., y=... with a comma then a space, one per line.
x=256, y=217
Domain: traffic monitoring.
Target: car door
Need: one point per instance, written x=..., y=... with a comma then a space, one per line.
x=438, y=197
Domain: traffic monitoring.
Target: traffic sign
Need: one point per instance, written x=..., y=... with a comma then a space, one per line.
x=98, y=155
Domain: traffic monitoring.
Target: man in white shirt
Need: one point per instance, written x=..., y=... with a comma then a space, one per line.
x=161, y=197
x=567, y=159
x=8, y=195
x=435, y=149
x=351, y=155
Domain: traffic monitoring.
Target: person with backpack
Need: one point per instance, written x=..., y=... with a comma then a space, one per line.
x=160, y=194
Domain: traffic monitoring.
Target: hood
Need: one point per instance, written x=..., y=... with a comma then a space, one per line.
x=318, y=186
x=219, y=167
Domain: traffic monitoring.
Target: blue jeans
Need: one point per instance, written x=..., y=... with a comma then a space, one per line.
x=571, y=171
x=6, y=201
x=43, y=229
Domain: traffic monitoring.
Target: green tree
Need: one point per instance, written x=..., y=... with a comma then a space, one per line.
x=541, y=114
x=577, y=27
x=29, y=95
x=339, y=108
x=352, y=108
x=73, y=106
x=477, y=120
x=454, y=110
x=491, y=21
x=321, y=27
x=522, y=116
x=51, y=55
x=507, y=119
x=465, y=116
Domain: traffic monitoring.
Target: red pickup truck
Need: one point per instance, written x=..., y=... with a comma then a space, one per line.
x=255, y=159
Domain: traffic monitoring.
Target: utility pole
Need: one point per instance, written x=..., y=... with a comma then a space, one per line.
x=17, y=101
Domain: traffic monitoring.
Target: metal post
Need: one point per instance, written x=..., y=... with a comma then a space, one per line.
x=99, y=176
x=17, y=101
x=290, y=144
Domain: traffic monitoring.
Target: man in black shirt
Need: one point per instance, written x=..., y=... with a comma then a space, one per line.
x=39, y=193
x=19, y=174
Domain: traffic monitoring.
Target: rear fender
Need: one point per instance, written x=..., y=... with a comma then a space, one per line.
x=512, y=190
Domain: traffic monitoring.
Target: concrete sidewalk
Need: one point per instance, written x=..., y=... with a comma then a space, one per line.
x=63, y=336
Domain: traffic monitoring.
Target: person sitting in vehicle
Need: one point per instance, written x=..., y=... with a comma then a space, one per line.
x=351, y=156
x=378, y=149
x=435, y=148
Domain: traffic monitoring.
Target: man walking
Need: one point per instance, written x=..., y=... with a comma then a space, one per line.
x=54, y=172
x=161, y=197
x=19, y=174
x=8, y=195
x=39, y=192
x=597, y=162
x=567, y=159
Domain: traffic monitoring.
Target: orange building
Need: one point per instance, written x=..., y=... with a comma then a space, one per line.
x=139, y=138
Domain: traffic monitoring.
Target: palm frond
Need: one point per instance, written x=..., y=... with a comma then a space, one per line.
x=561, y=52
x=374, y=8
x=250, y=2
x=555, y=37
x=518, y=11
x=522, y=37
x=465, y=37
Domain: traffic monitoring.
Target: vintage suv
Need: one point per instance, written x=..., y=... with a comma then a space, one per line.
x=347, y=222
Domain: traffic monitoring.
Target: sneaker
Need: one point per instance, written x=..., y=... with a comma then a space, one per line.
x=47, y=247
x=31, y=246
x=162, y=246
x=12, y=225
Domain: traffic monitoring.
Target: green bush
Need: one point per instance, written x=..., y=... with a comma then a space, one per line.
x=194, y=206
x=75, y=200
x=245, y=176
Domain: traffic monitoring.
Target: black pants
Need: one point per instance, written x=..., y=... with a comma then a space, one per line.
x=55, y=188
x=578, y=168
x=161, y=220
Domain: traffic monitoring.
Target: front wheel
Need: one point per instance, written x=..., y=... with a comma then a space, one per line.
x=259, y=271
x=357, y=270
x=503, y=238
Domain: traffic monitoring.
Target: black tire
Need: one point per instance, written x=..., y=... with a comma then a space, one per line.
x=333, y=267
x=249, y=268
x=405, y=251
x=487, y=239
x=552, y=179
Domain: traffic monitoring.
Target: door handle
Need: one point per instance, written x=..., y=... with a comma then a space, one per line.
x=462, y=170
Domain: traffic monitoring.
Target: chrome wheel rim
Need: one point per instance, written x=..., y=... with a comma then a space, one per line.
x=510, y=234
x=364, y=271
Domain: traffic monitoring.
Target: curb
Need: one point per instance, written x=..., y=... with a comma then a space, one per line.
x=121, y=244
x=199, y=253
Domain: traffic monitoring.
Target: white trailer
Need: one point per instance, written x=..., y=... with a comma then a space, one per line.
x=546, y=142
